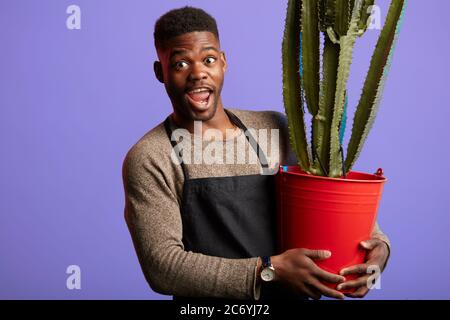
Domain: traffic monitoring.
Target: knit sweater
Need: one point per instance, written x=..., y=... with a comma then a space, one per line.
x=153, y=184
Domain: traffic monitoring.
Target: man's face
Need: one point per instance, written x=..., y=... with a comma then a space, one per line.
x=192, y=68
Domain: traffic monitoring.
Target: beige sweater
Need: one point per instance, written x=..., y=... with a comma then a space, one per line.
x=153, y=186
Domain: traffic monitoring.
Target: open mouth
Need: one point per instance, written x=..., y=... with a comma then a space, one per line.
x=199, y=97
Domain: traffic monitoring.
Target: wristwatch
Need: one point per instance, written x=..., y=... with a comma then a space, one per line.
x=267, y=270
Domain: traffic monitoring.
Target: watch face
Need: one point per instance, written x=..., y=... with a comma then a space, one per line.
x=267, y=274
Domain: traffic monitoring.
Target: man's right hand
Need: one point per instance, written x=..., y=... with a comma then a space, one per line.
x=296, y=269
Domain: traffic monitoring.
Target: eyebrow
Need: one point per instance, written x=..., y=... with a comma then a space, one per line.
x=183, y=51
x=210, y=48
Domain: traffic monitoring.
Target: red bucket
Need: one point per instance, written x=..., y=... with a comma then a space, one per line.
x=324, y=213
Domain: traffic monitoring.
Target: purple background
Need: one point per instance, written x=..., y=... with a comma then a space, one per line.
x=72, y=102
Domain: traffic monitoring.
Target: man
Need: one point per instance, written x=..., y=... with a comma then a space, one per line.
x=207, y=229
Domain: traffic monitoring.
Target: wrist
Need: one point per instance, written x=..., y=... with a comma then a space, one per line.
x=278, y=266
x=388, y=254
x=267, y=271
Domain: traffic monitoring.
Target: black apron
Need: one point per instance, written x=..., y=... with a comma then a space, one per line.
x=231, y=217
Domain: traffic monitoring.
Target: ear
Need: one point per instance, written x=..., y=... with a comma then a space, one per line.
x=157, y=67
x=224, y=59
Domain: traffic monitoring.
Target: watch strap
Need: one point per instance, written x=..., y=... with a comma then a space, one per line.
x=266, y=261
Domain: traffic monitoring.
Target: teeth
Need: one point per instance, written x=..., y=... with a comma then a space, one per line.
x=199, y=90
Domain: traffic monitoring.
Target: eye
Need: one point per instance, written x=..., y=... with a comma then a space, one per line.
x=180, y=65
x=210, y=60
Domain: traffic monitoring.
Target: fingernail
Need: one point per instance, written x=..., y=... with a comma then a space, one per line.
x=327, y=254
x=339, y=287
x=342, y=273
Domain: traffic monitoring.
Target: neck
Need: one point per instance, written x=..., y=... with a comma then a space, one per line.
x=219, y=121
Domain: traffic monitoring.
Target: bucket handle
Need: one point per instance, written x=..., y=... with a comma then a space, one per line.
x=343, y=162
x=341, y=151
x=320, y=162
x=379, y=172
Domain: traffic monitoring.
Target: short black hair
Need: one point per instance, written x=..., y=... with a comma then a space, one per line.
x=180, y=21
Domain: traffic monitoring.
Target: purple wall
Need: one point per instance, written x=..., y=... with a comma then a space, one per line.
x=72, y=103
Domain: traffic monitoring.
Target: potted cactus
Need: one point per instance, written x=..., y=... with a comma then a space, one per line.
x=322, y=204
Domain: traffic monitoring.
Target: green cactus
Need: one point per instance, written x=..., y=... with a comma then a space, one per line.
x=311, y=54
x=292, y=88
x=340, y=22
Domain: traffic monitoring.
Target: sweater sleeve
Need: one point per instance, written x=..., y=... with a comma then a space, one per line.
x=153, y=217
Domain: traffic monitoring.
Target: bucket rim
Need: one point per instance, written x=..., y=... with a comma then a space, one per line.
x=380, y=179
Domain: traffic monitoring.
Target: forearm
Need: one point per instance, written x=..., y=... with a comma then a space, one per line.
x=176, y=272
x=377, y=233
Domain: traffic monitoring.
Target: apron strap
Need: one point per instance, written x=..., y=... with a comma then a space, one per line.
x=236, y=121
x=255, y=145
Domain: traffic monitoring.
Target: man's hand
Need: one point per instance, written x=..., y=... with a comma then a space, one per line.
x=296, y=269
x=377, y=255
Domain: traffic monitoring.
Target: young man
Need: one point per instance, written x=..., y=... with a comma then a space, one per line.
x=206, y=228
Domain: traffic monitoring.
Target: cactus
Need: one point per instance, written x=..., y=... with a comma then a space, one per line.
x=292, y=88
x=340, y=22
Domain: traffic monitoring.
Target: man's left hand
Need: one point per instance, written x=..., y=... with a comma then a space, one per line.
x=378, y=253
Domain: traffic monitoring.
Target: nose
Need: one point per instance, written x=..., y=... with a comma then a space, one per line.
x=198, y=72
